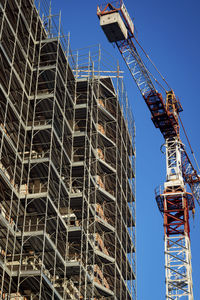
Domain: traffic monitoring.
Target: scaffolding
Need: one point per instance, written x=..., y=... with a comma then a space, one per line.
x=67, y=165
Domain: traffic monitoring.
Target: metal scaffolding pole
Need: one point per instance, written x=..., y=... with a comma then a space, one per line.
x=67, y=164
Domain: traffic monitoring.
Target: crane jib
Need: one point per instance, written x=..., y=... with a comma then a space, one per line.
x=162, y=117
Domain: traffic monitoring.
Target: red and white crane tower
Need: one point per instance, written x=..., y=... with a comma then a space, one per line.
x=174, y=202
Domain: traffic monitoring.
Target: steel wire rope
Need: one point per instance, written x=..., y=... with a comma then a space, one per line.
x=193, y=154
x=157, y=81
x=139, y=60
x=189, y=143
x=148, y=57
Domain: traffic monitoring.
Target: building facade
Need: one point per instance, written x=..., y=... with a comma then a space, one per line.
x=67, y=165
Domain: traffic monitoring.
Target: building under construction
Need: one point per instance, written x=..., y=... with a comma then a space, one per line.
x=67, y=165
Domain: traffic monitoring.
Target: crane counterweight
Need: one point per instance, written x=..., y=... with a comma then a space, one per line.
x=113, y=27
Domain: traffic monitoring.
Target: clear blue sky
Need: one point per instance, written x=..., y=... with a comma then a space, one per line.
x=170, y=33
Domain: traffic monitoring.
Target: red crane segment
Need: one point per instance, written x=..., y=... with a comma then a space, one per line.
x=161, y=117
x=176, y=217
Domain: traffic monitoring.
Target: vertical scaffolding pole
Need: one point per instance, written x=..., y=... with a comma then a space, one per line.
x=66, y=169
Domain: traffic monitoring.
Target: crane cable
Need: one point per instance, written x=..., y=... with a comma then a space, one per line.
x=138, y=59
x=166, y=91
x=189, y=144
x=156, y=81
x=153, y=65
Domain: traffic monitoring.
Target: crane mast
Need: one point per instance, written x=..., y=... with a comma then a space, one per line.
x=174, y=202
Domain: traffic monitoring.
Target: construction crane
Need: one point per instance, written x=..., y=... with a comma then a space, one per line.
x=174, y=202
